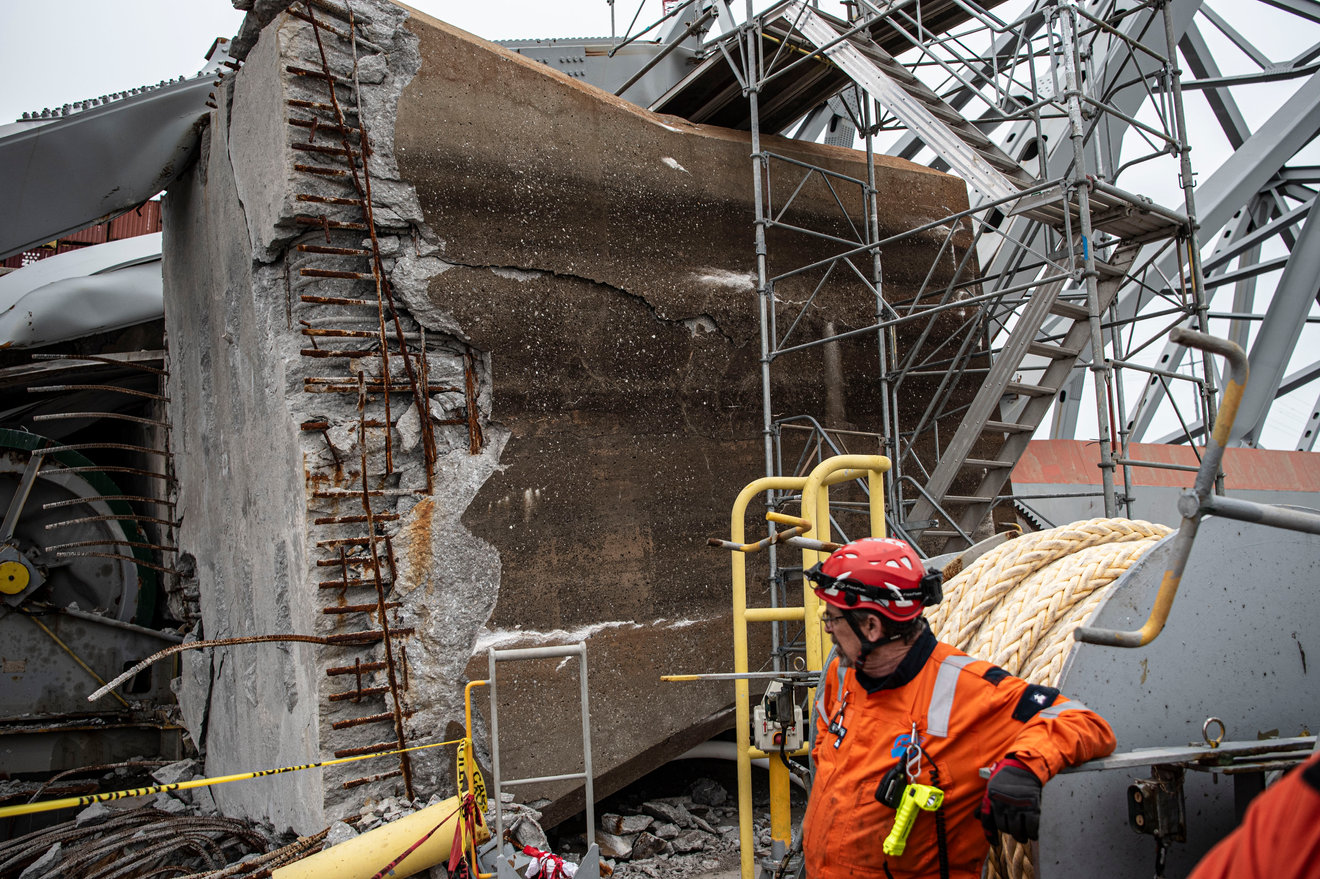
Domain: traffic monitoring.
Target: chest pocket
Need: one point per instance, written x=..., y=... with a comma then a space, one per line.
x=860, y=841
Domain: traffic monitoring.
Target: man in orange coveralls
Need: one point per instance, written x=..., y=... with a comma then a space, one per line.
x=1279, y=838
x=898, y=706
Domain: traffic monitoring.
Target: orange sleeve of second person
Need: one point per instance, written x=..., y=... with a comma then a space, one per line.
x=1280, y=836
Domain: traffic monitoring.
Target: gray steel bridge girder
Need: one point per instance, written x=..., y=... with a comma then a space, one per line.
x=1279, y=333
x=1232, y=186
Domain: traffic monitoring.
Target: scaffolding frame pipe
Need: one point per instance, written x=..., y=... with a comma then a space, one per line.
x=494, y=656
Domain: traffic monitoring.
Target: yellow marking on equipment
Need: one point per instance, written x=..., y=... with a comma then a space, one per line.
x=14, y=577
x=76, y=658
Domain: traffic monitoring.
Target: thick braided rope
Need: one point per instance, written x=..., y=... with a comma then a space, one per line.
x=975, y=592
x=1018, y=604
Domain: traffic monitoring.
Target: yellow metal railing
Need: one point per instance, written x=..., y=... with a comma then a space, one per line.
x=814, y=525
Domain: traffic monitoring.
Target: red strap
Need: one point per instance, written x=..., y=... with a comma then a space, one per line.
x=1009, y=761
x=551, y=860
x=985, y=795
x=389, y=868
x=466, y=822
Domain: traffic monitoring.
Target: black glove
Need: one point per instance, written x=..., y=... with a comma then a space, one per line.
x=1011, y=803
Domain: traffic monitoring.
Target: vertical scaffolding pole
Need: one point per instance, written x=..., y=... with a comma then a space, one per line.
x=889, y=443
x=1071, y=53
x=1209, y=393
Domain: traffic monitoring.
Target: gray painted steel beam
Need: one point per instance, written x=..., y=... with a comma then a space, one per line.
x=1246, y=172
x=1201, y=60
x=1279, y=333
x=1298, y=379
x=1238, y=243
x=1308, y=9
x=86, y=168
x=1306, y=443
x=1243, y=175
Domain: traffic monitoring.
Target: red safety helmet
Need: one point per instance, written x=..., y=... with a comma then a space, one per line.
x=879, y=574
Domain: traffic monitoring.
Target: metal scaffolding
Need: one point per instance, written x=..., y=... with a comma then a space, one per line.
x=1059, y=281
x=1023, y=278
x=1058, y=115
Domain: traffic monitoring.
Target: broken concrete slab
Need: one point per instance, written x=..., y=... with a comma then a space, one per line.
x=565, y=282
x=602, y=254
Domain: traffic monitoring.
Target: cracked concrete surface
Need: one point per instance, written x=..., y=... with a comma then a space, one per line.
x=603, y=256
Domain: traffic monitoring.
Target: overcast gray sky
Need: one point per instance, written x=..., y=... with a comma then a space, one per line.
x=54, y=52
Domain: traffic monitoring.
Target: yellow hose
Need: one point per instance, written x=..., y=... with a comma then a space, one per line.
x=1018, y=604
x=364, y=856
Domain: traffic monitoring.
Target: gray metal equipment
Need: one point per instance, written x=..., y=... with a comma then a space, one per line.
x=1234, y=648
x=74, y=598
x=1230, y=662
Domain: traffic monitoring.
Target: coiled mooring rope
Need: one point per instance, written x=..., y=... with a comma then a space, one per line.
x=1018, y=604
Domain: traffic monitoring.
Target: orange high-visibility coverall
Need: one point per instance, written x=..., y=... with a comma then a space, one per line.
x=1279, y=837
x=968, y=714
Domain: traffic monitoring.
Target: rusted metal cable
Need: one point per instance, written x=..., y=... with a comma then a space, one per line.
x=384, y=293
x=32, y=845
x=263, y=865
x=396, y=698
x=349, y=638
x=113, y=361
x=112, y=849
x=184, y=833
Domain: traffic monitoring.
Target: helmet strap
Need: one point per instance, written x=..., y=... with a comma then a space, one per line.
x=867, y=644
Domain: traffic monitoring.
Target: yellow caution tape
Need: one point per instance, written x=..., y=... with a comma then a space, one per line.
x=74, y=802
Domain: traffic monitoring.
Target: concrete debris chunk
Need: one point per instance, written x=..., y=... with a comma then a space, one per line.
x=668, y=811
x=180, y=770
x=708, y=792
x=691, y=841
x=647, y=845
x=625, y=825
x=666, y=830
x=167, y=803
x=41, y=867
x=525, y=830
x=339, y=832
x=93, y=814
x=203, y=800
x=613, y=846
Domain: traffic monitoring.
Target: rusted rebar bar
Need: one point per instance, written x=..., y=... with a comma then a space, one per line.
x=350, y=638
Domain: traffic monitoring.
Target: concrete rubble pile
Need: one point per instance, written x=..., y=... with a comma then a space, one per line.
x=691, y=835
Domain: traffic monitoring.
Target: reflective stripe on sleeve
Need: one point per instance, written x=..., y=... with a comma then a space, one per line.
x=1060, y=707
x=941, y=697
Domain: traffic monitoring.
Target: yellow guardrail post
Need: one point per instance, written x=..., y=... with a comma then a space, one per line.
x=742, y=697
x=815, y=509
x=469, y=772
x=816, y=505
